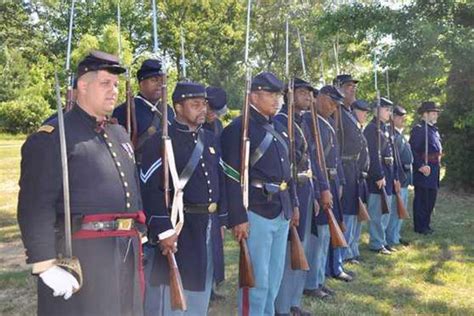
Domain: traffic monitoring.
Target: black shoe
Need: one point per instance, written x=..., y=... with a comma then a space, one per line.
x=216, y=297
x=343, y=276
x=328, y=290
x=353, y=261
x=404, y=242
x=318, y=293
x=391, y=248
x=359, y=258
x=296, y=311
x=430, y=231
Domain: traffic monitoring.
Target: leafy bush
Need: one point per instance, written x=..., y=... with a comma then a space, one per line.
x=23, y=115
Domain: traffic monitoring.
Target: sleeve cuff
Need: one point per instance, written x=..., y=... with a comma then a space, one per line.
x=166, y=234
x=40, y=267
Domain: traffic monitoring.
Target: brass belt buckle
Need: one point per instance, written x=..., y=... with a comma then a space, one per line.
x=212, y=207
x=124, y=223
x=309, y=173
x=283, y=186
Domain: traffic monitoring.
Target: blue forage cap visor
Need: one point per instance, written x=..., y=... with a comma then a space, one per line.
x=333, y=93
x=384, y=102
x=217, y=99
x=428, y=106
x=97, y=60
x=399, y=111
x=187, y=90
x=345, y=78
x=149, y=68
x=361, y=105
x=300, y=83
x=266, y=81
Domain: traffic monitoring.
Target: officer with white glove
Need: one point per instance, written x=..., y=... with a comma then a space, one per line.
x=60, y=281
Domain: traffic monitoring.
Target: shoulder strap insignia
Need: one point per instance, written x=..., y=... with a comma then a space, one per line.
x=46, y=128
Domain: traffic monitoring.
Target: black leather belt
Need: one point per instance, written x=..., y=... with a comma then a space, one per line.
x=270, y=187
x=118, y=224
x=200, y=208
x=332, y=173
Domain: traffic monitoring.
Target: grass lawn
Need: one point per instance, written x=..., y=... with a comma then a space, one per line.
x=434, y=275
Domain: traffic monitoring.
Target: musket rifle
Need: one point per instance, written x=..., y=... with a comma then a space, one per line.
x=131, y=117
x=298, y=258
x=337, y=236
x=178, y=300
x=67, y=261
x=383, y=193
x=246, y=277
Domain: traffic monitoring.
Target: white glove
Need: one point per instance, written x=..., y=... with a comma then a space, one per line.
x=60, y=281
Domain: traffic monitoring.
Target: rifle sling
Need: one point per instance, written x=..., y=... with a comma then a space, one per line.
x=193, y=161
x=269, y=128
x=152, y=129
x=261, y=149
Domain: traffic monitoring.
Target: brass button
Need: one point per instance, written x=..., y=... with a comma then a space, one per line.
x=122, y=174
x=128, y=205
x=125, y=184
x=114, y=154
x=127, y=194
x=212, y=207
x=118, y=164
x=110, y=144
x=106, y=136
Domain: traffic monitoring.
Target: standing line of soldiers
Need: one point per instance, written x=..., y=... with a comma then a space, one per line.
x=118, y=195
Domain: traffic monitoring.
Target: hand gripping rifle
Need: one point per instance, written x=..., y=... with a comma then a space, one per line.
x=69, y=95
x=131, y=117
x=401, y=208
x=68, y=261
x=246, y=277
x=178, y=300
x=298, y=258
x=337, y=237
x=383, y=192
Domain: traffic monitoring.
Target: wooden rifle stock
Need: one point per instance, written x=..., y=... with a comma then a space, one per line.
x=298, y=257
x=337, y=237
x=246, y=277
x=363, y=214
x=401, y=209
x=178, y=301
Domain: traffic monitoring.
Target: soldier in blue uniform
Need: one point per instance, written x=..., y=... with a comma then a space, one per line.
x=404, y=160
x=272, y=196
x=326, y=103
x=361, y=109
x=217, y=107
x=200, y=255
x=382, y=173
x=424, y=138
x=352, y=143
x=292, y=285
x=148, y=105
x=104, y=195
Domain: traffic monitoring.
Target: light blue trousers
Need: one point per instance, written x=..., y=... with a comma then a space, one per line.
x=352, y=239
x=267, y=248
x=317, y=257
x=197, y=302
x=153, y=294
x=378, y=223
x=355, y=246
x=292, y=284
x=395, y=223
